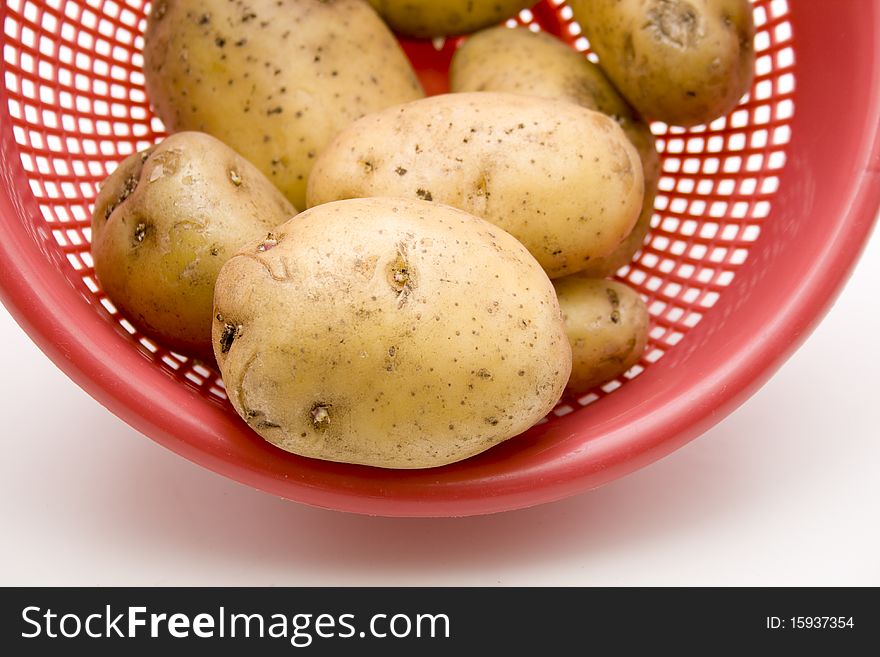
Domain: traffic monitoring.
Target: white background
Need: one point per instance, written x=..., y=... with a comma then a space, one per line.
x=784, y=491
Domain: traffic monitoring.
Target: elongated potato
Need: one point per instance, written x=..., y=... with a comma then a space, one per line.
x=607, y=326
x=684, y=62
x=274, y=79
x=432, y=18
x=562, y=179
x=521, y=61
x=389, y=332
x=164, y=223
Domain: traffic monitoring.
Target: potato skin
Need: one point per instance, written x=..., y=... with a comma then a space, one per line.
x=684, y=62
x=276, y=80
x=562, y=179
x=433, y=18
x=389, y=332
x=607, y=326
x=164, y=223
x=518, y=60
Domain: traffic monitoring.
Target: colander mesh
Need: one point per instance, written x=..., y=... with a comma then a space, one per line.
x=72, y=70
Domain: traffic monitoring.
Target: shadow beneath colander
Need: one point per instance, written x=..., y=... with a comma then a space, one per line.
x=223, y=533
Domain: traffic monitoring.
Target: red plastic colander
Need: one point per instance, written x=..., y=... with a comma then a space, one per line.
x=760, y=218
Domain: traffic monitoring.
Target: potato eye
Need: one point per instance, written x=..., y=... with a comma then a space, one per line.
x=140, y=231
x=230, y=332
x=320, y=416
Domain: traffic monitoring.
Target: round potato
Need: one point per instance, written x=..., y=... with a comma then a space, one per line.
x=562, y=179
x=607, y=326
x=433, y=18
x=389, y=332
x=521, y=61
x=684, y=62
x=164, y=223
x=274, y=79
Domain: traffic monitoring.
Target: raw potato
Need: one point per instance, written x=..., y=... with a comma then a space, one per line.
x=274, y=79
x=389, y=332
x=432, y=18
x=521, y=61
x=607, y=326
x=562, y=179
x=164, y=223
x=684, y=62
